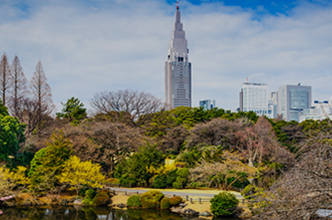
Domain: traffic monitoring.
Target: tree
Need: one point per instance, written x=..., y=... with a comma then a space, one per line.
x=140, y=162
x=73, y=110
x=117, y=140
x=134, y=103
x=5, y=77
x=305, y=188
x=50, y=160
x=19, y=85
x=11, y=134
x=42, y=96
x=80, y=174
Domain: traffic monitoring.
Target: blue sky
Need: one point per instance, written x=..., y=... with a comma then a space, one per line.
x=90, y=46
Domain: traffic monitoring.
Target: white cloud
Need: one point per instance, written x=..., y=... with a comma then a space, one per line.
x=89, y=48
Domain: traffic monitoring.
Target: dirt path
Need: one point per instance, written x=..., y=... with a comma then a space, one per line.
x=180, y=192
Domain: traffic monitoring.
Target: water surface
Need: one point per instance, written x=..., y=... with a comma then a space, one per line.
x=89, y=213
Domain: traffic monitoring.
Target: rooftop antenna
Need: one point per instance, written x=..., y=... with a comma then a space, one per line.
x=247, y=79
x=177, y=5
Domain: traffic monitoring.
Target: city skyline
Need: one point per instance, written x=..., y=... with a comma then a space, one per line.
x=93, y=46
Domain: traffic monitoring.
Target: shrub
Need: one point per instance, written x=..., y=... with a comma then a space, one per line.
x=129, y=182
x=101, y=199
x=224, y=204
x=160, y=181
x=182, y=177
x=184, y=172
x=165, y=203
x=89, y=195
x=134, y=201
x=171, y=177
x=193, y=185
x=150, y=199
x=113, y=181
x=177, y=185
x=175, y=200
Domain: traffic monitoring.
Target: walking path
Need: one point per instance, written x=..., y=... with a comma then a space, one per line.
x=182, y=193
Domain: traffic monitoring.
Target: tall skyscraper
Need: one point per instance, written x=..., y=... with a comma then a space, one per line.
x=293, y=99
x=178, y=67
x=253, y=97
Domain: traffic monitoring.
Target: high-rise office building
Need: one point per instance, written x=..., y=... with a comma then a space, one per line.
x=207, y=104
x=253, y=97
x=293, y=99
x=177, y=67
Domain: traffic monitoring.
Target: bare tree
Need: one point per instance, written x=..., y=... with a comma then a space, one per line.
x=136, y=104
x=41, y=96
x=19, y=89
x=306, y=188
x=5, y=77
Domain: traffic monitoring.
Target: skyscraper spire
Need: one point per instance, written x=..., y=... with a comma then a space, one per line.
x=178, y=67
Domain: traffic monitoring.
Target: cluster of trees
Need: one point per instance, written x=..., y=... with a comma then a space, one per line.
x=30, y=102
x=131, y=133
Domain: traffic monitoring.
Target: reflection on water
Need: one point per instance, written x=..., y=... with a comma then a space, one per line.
x=89, y=213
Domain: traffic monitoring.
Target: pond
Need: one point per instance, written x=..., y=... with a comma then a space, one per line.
x=89, y=213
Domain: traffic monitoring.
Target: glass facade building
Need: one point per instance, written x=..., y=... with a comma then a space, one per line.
x=207, y=104
x=293, y=100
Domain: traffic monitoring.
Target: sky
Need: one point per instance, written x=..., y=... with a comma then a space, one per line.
x=91, y=46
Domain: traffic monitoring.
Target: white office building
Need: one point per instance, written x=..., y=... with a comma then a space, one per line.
x=320, y=110
x=254, y=97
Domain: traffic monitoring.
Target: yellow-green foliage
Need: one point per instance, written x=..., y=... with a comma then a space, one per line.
x=101, y=199
x=165, y=203
x=151, y=199
x=79, y=174
x=112, y=181
x=134, y=201
x=175, y=200
x=10, y=180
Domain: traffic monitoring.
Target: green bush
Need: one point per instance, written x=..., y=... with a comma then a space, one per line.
x=165, y=203
x=194, y=185
x=160, y=181
x=175, y=200
x=224, y=204
x=150, y=199
x=134, y=201
x=177, y=185
x=184, y=172
x=129, y=182
x=182, y=177
x=89, y=195
x=171, y=177
x=112, y=181
x=101, y=199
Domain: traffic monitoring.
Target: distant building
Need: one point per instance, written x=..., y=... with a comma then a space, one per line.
x=273, y=105
x=178, y=67
x=254, y=97
x=292, y=100
x=320, y=110
x=207, y=104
